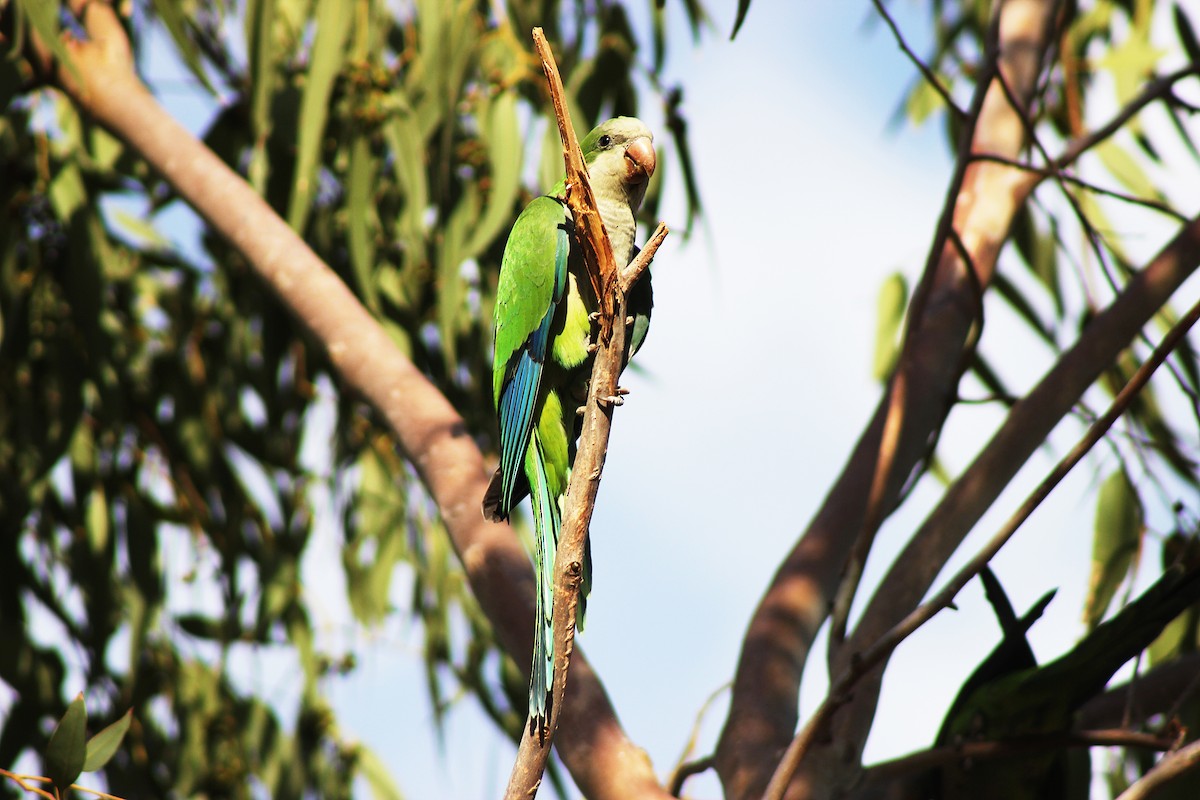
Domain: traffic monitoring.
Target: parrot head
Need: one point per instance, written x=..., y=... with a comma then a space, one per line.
x=620, y=155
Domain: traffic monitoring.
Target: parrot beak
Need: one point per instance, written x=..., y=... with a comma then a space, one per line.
x=641, y=159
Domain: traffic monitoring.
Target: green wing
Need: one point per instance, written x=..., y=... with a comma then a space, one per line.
x=533, y=281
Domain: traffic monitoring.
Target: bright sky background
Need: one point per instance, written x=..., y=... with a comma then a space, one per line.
x=757, y=382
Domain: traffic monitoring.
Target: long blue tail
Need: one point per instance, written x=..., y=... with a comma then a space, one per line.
x=547, y=519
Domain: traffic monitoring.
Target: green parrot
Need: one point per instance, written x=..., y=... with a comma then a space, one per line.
x=544, y=303
x=1011, y=696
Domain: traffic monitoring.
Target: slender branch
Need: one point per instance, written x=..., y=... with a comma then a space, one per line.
x=883, y=474
x=1171, y=766
x=928, y=74
x=899, y=768
x=874, y=655
x=763, y=714
x=431, y=434
x=24, y=782
x=1158, y=691
x=1157, y=89
x=534, y=750
x=1028, y=424
x=641, y=262
x=687, y=770
x=1045, y=172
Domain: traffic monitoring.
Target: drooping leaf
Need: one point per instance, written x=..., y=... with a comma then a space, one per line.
x=361, y=218
x=1187, y=34
x=103, y=746
x=893, y=300
x=1126, y=169
x=743, y=7
x=328, y=54
x=1115, y=545
x=383, y=786
x=172, y=15
x=67, y=748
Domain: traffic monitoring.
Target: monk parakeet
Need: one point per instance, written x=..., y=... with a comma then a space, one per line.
x=542, y=360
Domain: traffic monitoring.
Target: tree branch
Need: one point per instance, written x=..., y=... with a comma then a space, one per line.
x=917, y=763
x=584, y=484
x=1028, y=424
x=1171, y=766
x=866, y=662
x=431, y=434
x=763, y=714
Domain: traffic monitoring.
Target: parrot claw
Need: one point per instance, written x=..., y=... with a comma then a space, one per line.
x=592, y=347
x=594, y=316
x=629, y=320
x=580, y=411
x=611, y=400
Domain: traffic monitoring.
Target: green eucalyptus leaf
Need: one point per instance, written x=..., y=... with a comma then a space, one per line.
x=371, y=767
x=103, y=746
x=1187, y=34
x=362, y=221
x=1116, y=542
x=171, y=12
x=326, y=60
x=742, y=8
x=67, y=748
x=893, y=300
x=1126, y=169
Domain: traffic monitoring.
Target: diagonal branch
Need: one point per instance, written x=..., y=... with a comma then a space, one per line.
x=431, y=434
x=1170, y=767
x=1028, y=424
x=584, y=484
x=867, y=660
x=763, y=714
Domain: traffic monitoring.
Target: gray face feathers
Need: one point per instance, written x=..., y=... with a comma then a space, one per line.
x=620, y=157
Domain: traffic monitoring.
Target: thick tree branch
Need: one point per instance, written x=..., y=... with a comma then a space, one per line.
x=580, y=501
x=1028, y=424
x=910, y=766
x=763, y=713
x=426, y=427
x=1155, y=692
x=866, y=661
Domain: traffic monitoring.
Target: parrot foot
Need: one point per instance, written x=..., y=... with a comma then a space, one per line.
x=592, y=347
x=611, y=400
x=628, y=320
x=594, y=316
x=580, y=411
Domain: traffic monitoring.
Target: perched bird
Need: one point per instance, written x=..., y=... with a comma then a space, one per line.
x=542, y=361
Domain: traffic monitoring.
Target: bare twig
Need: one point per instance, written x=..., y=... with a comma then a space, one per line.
x=684, y=768
x=874, y=655
x=1157, y=89
x=897, y=399
x=1075, y=180
x=928, y=74
x=685, y=771
x=1171, y=766
x=534, y=751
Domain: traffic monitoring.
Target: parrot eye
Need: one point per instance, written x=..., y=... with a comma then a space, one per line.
x=605, y=140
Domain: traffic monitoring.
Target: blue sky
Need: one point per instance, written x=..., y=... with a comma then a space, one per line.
x=757, y=381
